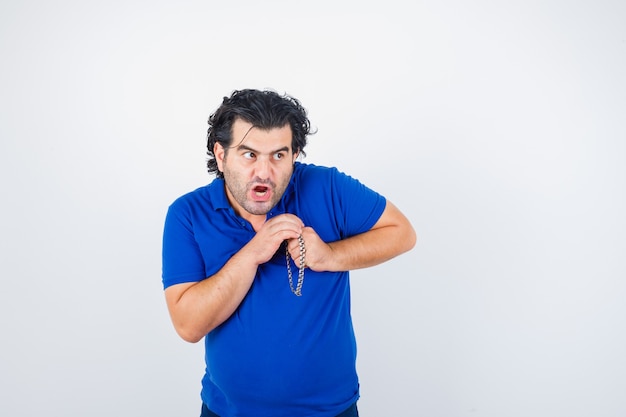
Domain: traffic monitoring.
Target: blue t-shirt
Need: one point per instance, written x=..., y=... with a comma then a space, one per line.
x=278, y=355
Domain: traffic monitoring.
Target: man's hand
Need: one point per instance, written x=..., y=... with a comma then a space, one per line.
x=271, y=235
x=316, y=250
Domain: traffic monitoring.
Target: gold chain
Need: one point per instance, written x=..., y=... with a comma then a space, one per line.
x=298, y=290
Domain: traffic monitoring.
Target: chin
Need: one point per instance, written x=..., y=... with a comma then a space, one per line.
x=257, y=211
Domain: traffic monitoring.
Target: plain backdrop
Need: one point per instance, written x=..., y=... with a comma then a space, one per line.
x=497, y=127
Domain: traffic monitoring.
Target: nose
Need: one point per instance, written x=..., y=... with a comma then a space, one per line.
x=263, y=168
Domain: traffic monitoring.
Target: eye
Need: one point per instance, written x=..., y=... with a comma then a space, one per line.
x=248, y=155
x=279, y=155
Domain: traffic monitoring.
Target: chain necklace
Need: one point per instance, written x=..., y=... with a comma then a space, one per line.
x=298, y=289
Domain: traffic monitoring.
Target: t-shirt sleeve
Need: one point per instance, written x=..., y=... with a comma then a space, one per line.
x=181, y=257
x=357, y=207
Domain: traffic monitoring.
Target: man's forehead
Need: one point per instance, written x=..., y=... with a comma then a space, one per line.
x=250, y=137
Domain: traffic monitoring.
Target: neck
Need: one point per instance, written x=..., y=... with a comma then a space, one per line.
x=257, y=221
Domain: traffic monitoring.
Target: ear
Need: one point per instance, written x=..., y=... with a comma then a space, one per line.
x=220, y=155
x=295, y=156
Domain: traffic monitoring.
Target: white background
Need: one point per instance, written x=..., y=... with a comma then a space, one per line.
x=497, y=127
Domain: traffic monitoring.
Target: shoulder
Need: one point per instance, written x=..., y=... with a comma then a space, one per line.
x=330, y=179
x=201, y=196
x=196, y=205
x=337, y=204
x=307, y=173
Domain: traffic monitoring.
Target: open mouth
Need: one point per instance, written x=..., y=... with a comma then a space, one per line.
x=260, y=190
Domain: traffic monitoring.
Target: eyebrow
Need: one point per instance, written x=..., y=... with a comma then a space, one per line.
x=247, y=148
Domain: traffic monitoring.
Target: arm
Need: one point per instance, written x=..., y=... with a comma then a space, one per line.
x=391, y=236
x=196, y=308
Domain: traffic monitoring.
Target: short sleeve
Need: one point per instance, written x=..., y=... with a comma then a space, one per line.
x=181, y=256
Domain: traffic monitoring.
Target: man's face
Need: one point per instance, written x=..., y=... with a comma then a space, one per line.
x=257, y=167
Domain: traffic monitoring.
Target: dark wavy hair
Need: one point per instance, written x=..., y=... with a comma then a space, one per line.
x=264, y=110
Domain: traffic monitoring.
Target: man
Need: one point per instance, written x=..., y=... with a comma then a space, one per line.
x=257, y=263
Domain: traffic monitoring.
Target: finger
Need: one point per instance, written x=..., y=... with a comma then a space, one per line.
x=296, y=246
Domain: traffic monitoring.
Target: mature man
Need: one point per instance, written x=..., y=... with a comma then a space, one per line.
x=257, y=262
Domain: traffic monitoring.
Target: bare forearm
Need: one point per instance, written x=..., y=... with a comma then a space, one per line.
x=198, y=308
x=369, y=249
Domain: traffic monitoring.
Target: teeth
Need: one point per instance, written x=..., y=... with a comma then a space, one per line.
x=260, y=190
